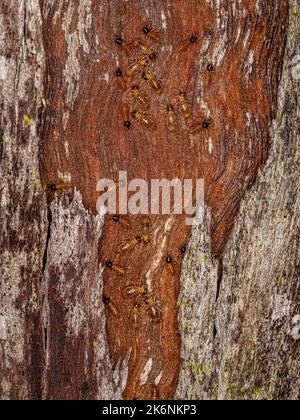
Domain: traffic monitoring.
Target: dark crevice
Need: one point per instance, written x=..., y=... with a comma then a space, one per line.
x=45, y=303
x=45, y=338
x=215, y=331
x=220, y=276
x=45, y=291
x=219, y=282
x=49, y=218
x=25, y=23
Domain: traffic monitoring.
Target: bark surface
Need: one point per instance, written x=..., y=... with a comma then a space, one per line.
x=239, y=311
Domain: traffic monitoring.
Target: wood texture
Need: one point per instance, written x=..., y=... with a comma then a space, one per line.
x=23, y=215
x=77, y=364
x=53, y=332
x=246, y=345
x=83, y=134
x=85, y=140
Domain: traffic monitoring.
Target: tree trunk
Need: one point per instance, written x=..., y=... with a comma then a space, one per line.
x=230, y=326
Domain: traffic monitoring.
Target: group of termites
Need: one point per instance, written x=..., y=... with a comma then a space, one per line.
x=138, y=293
x=142, y=54
x=142, y=298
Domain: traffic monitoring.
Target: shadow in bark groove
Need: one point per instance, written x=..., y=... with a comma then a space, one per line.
x=84, y=137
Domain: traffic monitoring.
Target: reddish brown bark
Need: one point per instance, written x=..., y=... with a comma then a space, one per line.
x=240, y=94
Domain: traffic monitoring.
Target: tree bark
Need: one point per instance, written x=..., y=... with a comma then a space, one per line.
x=231, y=317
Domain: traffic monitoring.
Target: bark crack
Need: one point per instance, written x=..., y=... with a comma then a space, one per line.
x=220, y=277
x=45, y=303
x=49, y=220
x=219, y=283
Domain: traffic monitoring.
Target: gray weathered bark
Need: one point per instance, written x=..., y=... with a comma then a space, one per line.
x=246, y=345
x=23, y=215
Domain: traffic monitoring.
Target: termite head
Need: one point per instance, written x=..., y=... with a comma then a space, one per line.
x=145, y=221
x=170, y=107
x=153, y=55
x=210, y=67
x=205, y=124
x=109, y=264
x=106, y=300
x=169, y=259
x=183, y=249
x=127, y=124
x=51, y=187
x=193, y=39
x=119, y=41
x=119, y=72
x=151, y=33
x=145, y=76
x=154, y=392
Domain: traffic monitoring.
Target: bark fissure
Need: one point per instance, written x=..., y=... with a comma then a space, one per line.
x=255, y=346
x=49, y=220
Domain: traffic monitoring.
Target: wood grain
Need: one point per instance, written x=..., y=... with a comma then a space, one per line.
x=23, y=214
x=84, y=139
x=51, y=284
x=245, y=345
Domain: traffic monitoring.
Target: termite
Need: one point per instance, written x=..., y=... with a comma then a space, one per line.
x=128, y=244
x=135, y=316
x=153, y=82
x=153, y=307
x=196, y=128
x=58, y=187
x=120, y=79
x=136, y=66
x=171, y=118
x=171, y=265
x=135, y=291
x=192, y=40
x=146, y=229
x=112, y=309
x=126, y=116
x=122, y=221
x=116, y=268
x=144, y=49
x=152, y=33
x=183, y=103
x=144, y=119
x=139, y=97
x=128, y=51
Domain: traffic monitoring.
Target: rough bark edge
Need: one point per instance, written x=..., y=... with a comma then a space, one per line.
x=23, y=234
x=260, y=259
x=73, y=306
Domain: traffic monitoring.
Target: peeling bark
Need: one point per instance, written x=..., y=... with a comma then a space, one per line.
x=73, y=311
x=239, y=300
x=23, y=216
